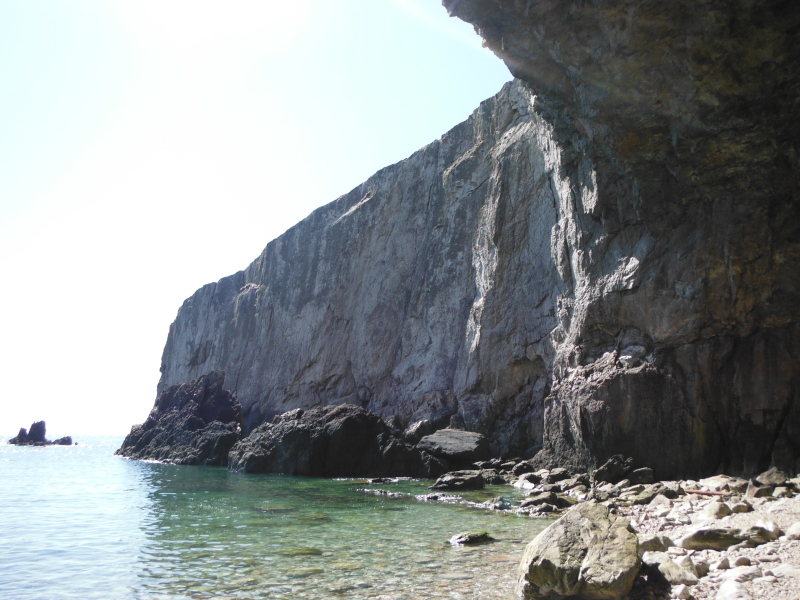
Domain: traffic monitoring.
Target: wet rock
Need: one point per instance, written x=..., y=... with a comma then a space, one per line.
x=459, y=480
x=195, y=423
x=471, y=537
x=537, y=499
x=456, y=447
x=498, y=503
x=330, y=441
x=64, y=441
x=587, y=553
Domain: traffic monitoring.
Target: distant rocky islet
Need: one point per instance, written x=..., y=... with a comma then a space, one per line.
x=36, y=436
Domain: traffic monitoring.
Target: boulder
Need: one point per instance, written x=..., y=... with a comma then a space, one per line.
x=772, y=477
x=588, y=553
x=195, y=423
x=755, y=490
x=459, y=480
x=458, y=448
x=653, y=543
x=614, y=469
x=716, y=510
x=672, y=572
x=417, y=430
x=471, y=537
x=64, y=441
x=709, y=538
x=643, y=475
x=341, y=440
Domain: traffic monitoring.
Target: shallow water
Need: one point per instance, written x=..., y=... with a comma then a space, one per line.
x=78, y=522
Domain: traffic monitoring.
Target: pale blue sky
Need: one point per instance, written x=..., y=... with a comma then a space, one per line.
x=148, y=147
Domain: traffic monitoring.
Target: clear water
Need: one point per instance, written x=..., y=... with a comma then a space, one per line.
x=78, y=522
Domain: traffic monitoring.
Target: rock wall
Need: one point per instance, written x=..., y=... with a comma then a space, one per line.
x=695, y=366
x=603, y=259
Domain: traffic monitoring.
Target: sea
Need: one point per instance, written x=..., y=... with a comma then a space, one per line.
x=78, y=522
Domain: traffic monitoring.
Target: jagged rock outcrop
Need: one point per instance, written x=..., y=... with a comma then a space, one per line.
x=194, y=423
x=37, y=436
x=330, y=441
x=601, y=260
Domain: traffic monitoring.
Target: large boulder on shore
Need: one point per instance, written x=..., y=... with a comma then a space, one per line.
x=588, y=553
x=330, y=441
x=195, y=423
x=458, y=448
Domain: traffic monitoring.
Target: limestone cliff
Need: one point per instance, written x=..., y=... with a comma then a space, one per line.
x=602, y=259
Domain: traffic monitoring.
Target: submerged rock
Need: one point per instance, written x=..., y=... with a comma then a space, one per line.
x=588, y=553
x=471, y=537
x=330, y=441
x=195, y=423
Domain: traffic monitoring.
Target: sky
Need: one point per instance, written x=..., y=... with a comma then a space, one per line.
x=148, y=147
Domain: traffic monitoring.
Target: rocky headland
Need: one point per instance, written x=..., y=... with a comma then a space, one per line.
x=596, y=272
x=195, y=423
x=601, y=260
x=36, y=436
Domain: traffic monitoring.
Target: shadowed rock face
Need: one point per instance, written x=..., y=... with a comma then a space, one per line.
x=602, y=259
x=195, y=423
x=330, y=441
x=696, y=358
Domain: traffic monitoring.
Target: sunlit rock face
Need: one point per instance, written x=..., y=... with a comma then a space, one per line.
x=603, y=259
x=694, y=365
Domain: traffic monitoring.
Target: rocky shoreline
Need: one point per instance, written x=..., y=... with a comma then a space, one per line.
x=718, y=538
x=721, y=537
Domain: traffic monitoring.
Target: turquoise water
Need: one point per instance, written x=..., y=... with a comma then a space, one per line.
x=78, y=522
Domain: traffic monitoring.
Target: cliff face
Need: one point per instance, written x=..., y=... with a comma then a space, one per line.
x=603, y=259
